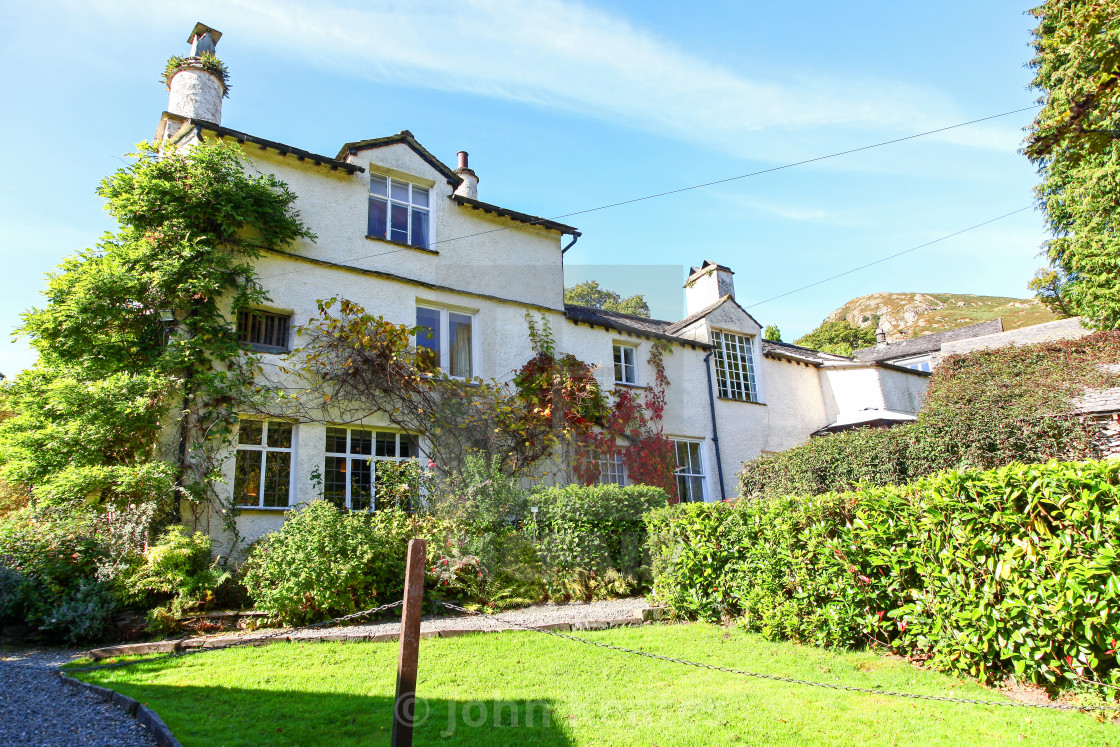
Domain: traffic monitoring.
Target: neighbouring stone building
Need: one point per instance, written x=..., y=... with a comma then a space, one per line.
x=925, y=352
x=407, y=236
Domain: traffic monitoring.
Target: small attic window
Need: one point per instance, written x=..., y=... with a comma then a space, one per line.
x=399, y=211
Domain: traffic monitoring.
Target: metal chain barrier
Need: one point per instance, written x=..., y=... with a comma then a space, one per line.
x=254, y=640
x=778, y=678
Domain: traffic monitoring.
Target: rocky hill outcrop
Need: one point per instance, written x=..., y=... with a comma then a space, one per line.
x=904, y=315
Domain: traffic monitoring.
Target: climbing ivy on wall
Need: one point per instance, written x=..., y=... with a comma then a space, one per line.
x=90, y=418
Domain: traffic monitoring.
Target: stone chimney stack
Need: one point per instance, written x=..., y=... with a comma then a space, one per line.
x=880, y=337
x=195, y=91
x=469, y=187
x=707, y=284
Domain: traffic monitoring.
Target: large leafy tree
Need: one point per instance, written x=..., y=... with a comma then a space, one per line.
x=1075, y=143
x=90, y=417
x=589, y=293
x=839, y=337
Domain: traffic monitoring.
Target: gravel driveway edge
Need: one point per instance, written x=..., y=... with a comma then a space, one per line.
x=144, y=715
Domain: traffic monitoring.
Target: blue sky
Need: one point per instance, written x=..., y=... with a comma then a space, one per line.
x=566, y=106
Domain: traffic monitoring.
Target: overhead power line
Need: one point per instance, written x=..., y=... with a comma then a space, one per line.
x=889, y=256
x=696, y=186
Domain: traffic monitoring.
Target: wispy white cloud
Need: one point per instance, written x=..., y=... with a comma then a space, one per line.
x=570, y=56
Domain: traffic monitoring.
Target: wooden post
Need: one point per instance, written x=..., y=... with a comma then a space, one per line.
x=404, y=706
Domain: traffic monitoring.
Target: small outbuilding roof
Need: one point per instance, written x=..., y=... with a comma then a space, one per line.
x=871, y=417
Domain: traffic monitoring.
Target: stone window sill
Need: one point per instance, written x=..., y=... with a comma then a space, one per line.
x=742, y=401
x=402, y=245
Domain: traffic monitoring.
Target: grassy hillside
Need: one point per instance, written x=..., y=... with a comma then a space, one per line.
x=904, y=315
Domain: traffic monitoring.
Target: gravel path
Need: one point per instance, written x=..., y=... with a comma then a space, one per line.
x=37, y=709
x=537, y=614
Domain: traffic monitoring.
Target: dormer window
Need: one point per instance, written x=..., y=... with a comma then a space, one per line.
x=399, y=211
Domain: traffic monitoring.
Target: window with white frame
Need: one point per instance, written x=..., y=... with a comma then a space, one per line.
x=734, y=366
x=690, y=470
x=625, y=364
x=263, y=464
x=399, y=211
x=350, y=466
x=612, y=471
x=445, y=339
x=263, y=330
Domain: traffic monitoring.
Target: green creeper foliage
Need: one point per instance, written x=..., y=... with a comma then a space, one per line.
x=982, y=410
x=1014, y=571
x=838, y=337
x=205, y=61
x=1075, y=143
x=88, y=416
x=588, y=293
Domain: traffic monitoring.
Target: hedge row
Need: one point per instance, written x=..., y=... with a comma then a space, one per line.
x=982, y=410
x=596, y=527
x=1014, y=570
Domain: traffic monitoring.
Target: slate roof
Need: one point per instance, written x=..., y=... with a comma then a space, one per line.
x=1096, y=401
x=532, y=220
x=793, y=352
x=639, y=325
x=260, y=142
x=870, y=417
x=926, y=343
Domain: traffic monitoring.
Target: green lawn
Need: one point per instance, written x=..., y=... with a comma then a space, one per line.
x=476, y=687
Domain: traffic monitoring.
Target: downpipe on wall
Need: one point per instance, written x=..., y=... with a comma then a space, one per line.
x=715, y=430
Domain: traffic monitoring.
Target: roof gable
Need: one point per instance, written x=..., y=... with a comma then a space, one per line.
x=691, y=319
x=404, y=137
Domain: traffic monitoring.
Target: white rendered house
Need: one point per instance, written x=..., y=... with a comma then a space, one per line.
x=406, y=236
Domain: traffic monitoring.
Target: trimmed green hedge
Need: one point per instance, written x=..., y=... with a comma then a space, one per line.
x=595, y=527
x=1010, y=571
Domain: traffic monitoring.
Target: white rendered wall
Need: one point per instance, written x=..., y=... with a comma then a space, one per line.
x=520, y=262
x=794, y=401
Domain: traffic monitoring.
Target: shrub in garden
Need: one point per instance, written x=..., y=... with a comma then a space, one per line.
x=592, y=537
x=864, y=456
x=326, y=562
x=178, y=573
x=478, y=550
x=1008, y=571
x=82, y=615
x=49, y=554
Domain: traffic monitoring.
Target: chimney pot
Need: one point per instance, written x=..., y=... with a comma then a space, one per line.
x=469, y=185
x=193, y=92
